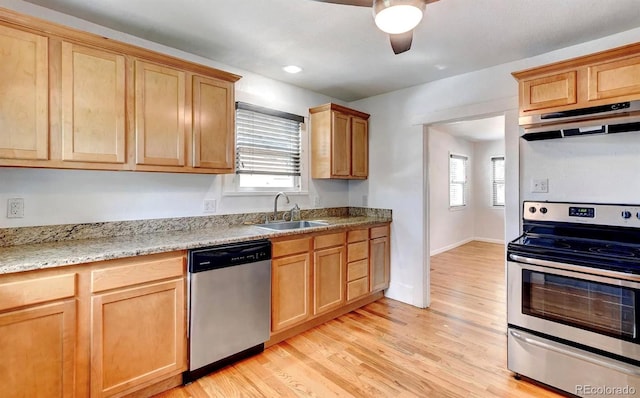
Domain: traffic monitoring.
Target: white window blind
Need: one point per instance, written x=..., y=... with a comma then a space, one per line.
x=457, y=180
x=267, y=141
x=497, y=180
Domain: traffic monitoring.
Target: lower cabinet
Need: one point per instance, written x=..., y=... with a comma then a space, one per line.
x=102, y=329
x=329, y=270
x=316, y=277
x=291, y=281
x=379, y=258
x=38, y=334
x=37, y=347
x=138, y=324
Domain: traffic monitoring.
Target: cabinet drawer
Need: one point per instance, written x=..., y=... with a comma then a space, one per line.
x=289, y=247
x=357, y=288
x=136, y=272
x=377, y=232
x=358, y=235
x=358, y=251
x=330, y=240
x=34, y=291
x=357, y=270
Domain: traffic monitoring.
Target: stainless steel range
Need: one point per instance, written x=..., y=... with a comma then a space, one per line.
x=574, y=298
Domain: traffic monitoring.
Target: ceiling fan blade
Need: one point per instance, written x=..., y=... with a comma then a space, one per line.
x=401, y=42
x=359, y=3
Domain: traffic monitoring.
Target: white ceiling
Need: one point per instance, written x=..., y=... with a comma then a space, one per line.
x=342, y=52
x=485, y=129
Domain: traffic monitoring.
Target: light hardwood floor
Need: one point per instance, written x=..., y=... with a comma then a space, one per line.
x=456, y=348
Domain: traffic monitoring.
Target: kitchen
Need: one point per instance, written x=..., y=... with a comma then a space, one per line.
x=85, y=196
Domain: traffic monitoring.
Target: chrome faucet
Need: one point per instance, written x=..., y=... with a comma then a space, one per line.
x=275, y=204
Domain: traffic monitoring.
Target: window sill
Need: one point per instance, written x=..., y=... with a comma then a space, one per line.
x=457, y=208
x=264, y=193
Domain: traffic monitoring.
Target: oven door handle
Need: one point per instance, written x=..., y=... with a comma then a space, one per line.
x=574, y=354
x=576, y=268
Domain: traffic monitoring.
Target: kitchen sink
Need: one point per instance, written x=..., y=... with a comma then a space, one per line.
x=284, y=225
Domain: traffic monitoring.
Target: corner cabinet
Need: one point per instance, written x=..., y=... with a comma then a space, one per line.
x=598, y=79
x=72, y=99
x=339, y=142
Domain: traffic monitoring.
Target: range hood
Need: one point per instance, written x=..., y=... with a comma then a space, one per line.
x=621, y=117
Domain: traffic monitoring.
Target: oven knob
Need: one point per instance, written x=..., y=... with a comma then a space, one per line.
x=532, y=209
x=543, y=210
x=626, y=214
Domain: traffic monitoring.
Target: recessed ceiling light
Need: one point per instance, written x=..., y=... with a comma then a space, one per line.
x=440, y=67
x=292, y=69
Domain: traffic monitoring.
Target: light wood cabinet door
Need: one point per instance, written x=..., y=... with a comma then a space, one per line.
x=340, y=145
x=379, y=262
x=213, y=124
x=290, y=290
x=37, y=347
x=614, y=79
x=24, y=82
x=137, y=335
x=549, y=91
x=359, y=148
x=329, y=274
x=93, y=105
x=159, y=115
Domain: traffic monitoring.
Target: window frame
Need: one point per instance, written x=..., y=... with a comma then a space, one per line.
x=464, y=184
x=495, y=182
x=231, y=182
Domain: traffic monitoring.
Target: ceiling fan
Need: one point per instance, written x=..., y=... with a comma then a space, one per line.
x=395, y=17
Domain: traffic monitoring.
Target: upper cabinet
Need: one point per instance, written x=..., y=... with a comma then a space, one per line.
x=71, y=99
x=93, y=105
x=24, y=113
x=213, y=124
x=339, y=142
x=159, y=115
x=602, y=78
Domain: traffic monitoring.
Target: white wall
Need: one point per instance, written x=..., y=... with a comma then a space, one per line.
x=397, y=180
x=600, y=169
x=488, y=219
x=479, y=220
x=67, y=196
x=449, y=227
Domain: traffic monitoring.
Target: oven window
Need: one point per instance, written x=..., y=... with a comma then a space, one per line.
x=594, y=306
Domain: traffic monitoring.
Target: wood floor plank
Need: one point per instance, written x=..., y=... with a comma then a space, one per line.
x=456, y=348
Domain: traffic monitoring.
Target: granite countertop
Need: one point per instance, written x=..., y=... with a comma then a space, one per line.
x=27, y=257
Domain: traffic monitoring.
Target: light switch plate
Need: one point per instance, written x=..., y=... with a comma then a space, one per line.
x=209, y=206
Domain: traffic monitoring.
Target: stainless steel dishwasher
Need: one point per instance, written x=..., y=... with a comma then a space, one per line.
x=229, y=304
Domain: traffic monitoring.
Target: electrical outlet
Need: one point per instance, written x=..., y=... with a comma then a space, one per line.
x=540, y=185
x=365, y=200
x=210, y=206
x=15, y=208
x=316, y=201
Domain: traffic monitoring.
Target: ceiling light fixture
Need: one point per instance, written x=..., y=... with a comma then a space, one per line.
x=292, y=69
x=397, y=16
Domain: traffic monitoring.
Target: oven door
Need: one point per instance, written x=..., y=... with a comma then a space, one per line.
x=592, y=307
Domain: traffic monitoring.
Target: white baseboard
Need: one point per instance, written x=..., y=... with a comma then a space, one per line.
x=400, y=292
x=464, y=242
x=489, y=240
x=449, y=247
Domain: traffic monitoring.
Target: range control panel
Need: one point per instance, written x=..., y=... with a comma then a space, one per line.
x=583, y=213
